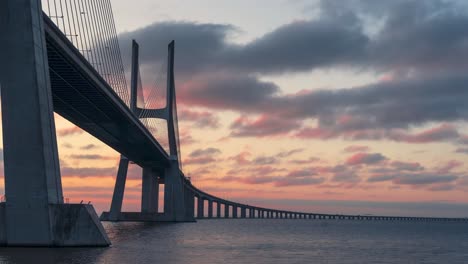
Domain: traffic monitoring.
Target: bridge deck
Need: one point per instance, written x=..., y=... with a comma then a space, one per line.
x=84, y=98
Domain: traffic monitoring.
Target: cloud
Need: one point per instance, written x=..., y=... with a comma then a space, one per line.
x=406, y=166
x=203, y=156
x=356, y=148
x=204, y=152
x=201, y=119
x=285, y=154
x=274, y=176
x=67, y=145
x=408, y=41
x=185, y=138
x=365, y=158
x=199, y=160
x=91, y=157
x=305, y=161
x=462, y=150
x=264, y=160
x=419, y=179
x=241, y=158
x=284, y=182
x=301, y=173
x=89, y=147
x=414, y=179
x=441, y=133
x=449, y=166
x=88, y=171
x=262, y=126
x=346, y=177
x=64, y=132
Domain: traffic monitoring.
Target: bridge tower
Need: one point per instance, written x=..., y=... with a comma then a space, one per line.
x=34, y=213
x=178, y=198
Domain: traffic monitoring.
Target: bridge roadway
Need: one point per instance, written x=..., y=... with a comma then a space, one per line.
x=84, y=98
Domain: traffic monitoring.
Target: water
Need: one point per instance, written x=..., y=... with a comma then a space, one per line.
x=265, y=241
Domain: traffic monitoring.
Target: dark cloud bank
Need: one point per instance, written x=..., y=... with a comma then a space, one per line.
x=422, y=45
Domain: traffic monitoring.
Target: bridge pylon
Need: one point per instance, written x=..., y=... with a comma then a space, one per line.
x=178, y=198
x=34, y=213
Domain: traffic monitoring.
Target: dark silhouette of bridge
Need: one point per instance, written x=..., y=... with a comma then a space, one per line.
x=64, y=57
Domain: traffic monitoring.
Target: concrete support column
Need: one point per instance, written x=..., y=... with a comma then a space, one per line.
x=218, y=209
x=174, y=203
x=190, y=204
x=226, y=211
x=117, y=197
x=234, y=211
x=32, y=171
x=243, y=212
x=210, y=208
x=149, y=192
x=34, y=212
x=201, y=209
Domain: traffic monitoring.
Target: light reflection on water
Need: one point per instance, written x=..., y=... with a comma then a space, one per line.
x=265, y=241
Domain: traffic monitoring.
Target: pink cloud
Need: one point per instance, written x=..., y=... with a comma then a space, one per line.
x=262, y=126
x=365, y=158
x=356, y=148
x=200, y=119
x=440, y=133
x=449, y=166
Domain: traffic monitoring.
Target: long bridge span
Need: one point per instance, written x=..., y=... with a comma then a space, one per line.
x=63, y=56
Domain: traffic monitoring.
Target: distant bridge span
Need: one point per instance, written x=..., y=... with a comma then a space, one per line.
x=45, y=67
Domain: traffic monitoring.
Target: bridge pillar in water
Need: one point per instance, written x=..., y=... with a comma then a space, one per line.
x=174, y=200
x=210, y=208
x=201, y=208
x=117, y=198
x=189, y=204
x=149, y=191
x=243, y=212
x=34, y=213
x=226, y=210
x=234, y=211
x=218, y=209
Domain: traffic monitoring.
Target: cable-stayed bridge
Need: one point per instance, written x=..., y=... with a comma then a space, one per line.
x=64, y=56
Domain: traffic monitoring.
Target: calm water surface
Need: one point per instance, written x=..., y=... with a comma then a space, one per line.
x=265, y=241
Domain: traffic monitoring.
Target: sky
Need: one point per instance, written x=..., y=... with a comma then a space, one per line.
x=321, y=106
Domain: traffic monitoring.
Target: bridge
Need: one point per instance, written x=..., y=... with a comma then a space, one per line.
x=63, y=56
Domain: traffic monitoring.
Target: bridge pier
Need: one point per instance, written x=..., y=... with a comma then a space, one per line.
x=117, y=198
x=149, y=191
x=243, y=212
x=34, y=213
x=201, y=208
x=234, y=211
x=226, y=210
x=189, y=203
x=210, y=208
x=218, y=209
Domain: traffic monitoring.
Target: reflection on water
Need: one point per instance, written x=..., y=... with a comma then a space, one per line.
x=265, y=241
